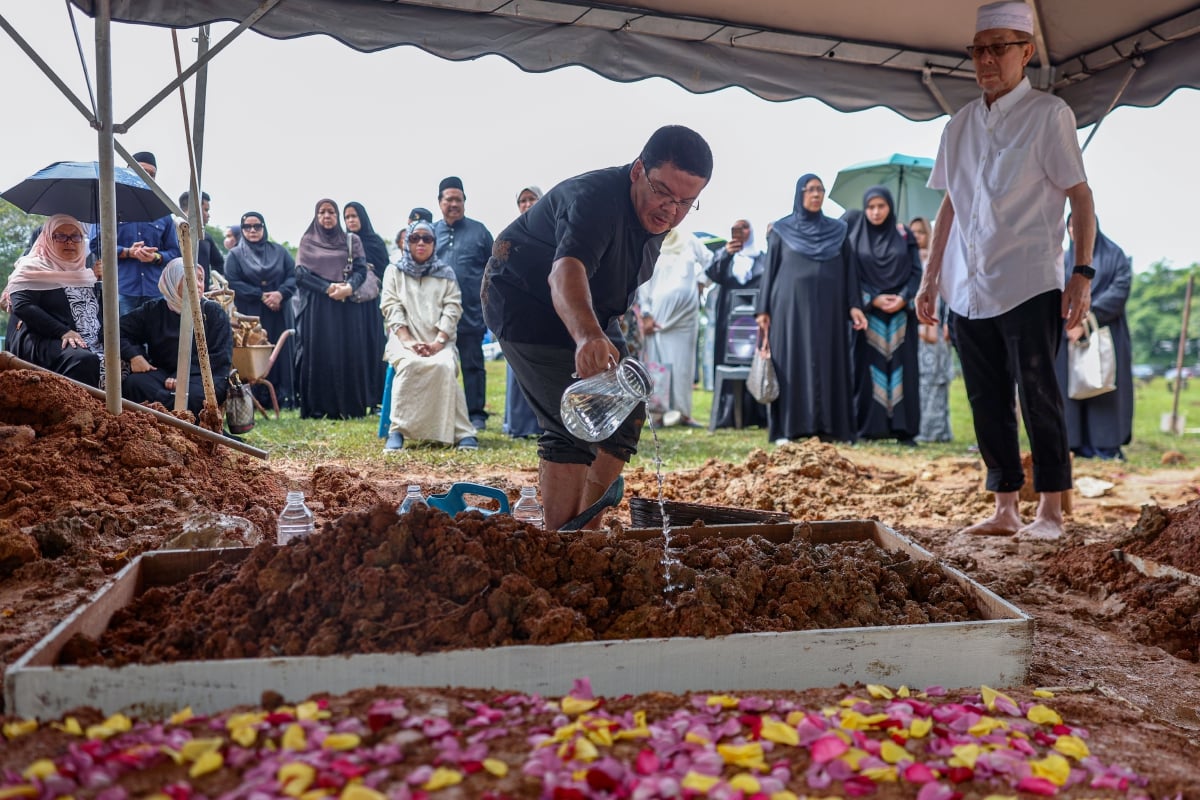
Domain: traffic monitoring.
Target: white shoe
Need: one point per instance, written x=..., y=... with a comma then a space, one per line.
x=672, y=418
x=782, y=441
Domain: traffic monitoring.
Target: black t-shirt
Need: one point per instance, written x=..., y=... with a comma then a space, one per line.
x=589, y=217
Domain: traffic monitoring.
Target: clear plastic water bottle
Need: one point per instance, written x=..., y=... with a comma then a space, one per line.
x=412, y=499
x=528, y=510
x=295, y=520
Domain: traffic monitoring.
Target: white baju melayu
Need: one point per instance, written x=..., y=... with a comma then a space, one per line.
x=672, y=298
x=427, y=399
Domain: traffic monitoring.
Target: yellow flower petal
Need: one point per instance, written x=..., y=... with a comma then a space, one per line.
x=310, y=710
x=209, y=762
x=879, y=691
x=441, y=778
x=244, y=735
x=1072, y=746
x=920, y=727
x=853, y=757
x=990, y=695
x=70, y=725
x=181, y=716
x=722, y=700
x=784, y=795
x=1043, y=715
x=574, y=705
x=745, y=783
x=748, y=755
x=854, y=721
x=496, y=767
x=42, y=768
x=986, y=725
x=295, y=778
x=893, y=753
x=117, y=723
x=1001, y=797
x=294, y=738
x=903, y=692
x=794, y=718
x=781, y=733
x=341, y=741
x=849, y=700
x=19, y=728
x=881, y=774
x=1053, y=768
x=195, y=749
x=691, y=737
x=356, y=791
x=245, y=719
x=601, y=736
x=965, y=755
x=1045, y=694
x=24, y=790
x=315, y=794
x=696, y=782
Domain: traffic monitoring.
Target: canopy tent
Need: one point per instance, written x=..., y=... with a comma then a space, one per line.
x=852, y=55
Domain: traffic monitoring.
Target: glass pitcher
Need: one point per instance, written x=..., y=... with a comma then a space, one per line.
x=593, y=408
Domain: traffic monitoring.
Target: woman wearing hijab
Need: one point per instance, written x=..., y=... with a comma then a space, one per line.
x=262, y=275
x=233, y=236
x=150, y=343
x=54, y=299
x=736, y=273
x=421, y=303
x=519, y=420
x=1100, y=426
x=670, y=303
x=885, y=257
x=333, y=369
x=374, y=336
x=808, y=294
x=933, y=353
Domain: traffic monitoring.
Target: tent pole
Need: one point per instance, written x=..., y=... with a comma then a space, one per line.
x=1039, y=41
x=259, y=12
x=935, y=92
x=108, y=208
x=200, y=104
x=1134, y=66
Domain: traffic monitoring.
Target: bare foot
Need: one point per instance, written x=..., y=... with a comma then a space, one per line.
x=1041, y=530
x=999, y=524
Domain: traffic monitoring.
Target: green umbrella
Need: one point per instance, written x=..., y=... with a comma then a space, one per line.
x=904, y=176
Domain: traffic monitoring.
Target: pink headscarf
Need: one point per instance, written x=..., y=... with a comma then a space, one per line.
x=43, y=269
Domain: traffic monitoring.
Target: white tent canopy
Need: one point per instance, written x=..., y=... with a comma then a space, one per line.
x=852, y=54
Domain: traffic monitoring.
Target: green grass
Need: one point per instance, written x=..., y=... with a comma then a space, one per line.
x=321, y=441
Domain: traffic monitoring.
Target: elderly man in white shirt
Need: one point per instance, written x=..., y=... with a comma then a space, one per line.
x=1007, y=161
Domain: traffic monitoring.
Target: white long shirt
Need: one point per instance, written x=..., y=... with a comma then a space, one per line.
x=1007, y=170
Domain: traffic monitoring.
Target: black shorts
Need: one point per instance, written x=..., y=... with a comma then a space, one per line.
x=544, y=372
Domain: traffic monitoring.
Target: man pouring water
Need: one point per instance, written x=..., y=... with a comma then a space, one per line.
x=560, y=278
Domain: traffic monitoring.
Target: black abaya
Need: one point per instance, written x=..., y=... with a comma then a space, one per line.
x=809, y=302
x=333, y=368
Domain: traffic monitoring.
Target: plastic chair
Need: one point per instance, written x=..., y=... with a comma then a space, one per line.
x=452, y=501
x=254, y=361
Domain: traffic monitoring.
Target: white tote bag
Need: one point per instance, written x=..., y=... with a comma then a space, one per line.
x=1091, y=362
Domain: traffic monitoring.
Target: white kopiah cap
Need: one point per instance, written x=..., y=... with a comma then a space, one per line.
x=1012, y=14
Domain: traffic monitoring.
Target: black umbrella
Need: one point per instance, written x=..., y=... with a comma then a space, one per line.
x=73, y=187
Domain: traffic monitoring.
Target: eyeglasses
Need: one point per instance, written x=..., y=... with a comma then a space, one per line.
x=680, y=205
x=63, y=238
x=814, y=189
x=420, y=239
x=253, y=227
x=996, y=50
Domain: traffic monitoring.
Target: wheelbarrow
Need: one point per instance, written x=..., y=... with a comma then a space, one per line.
x=452, y=501
x=254, y=362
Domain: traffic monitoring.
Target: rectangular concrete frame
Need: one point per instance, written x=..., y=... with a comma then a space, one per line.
x=995, y=651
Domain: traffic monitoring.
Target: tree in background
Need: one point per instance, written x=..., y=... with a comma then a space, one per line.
x=1155, y=314
x=15, y=228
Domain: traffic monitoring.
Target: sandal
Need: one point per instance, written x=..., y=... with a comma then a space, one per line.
x=610, y=498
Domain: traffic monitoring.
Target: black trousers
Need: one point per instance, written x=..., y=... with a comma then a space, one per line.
x=1017, y=349
x=470, y=357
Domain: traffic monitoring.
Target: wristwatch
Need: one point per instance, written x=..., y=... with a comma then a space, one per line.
x=1086, y=270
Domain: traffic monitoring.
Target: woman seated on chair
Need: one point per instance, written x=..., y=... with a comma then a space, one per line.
x=54, y=299
x=421, y=304
x=150, y=343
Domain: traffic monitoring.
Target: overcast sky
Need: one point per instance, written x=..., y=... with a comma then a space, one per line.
x=291, y=122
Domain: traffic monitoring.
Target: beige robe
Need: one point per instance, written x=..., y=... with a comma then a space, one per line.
x=427, y=399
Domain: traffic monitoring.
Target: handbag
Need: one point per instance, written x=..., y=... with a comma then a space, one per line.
x=239, y=405
x=369, y=289
x=762, y=382
x=1091, y=362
